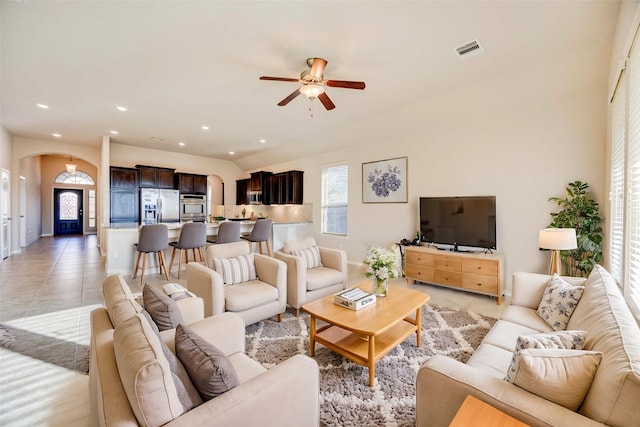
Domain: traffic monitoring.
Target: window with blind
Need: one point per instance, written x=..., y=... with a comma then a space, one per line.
x=616, y=191
x=334, y=199
x=624, y=191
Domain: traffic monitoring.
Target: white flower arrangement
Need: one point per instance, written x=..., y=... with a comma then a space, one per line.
x=381, y=264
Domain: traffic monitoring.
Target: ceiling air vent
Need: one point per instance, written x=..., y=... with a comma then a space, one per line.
x=469, y=49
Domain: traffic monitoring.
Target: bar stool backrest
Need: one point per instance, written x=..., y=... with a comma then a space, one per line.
x=228, y=232
x=193, y=235
x=153, y=238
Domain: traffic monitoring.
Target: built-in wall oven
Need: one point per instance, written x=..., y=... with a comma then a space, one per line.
x=193, y=207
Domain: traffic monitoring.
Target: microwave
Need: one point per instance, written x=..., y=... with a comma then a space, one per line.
x=254, y=197
x=193, y=207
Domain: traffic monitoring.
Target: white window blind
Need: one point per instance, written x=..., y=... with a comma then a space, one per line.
x=335, y=192
x=616, y=191
x=632, y=274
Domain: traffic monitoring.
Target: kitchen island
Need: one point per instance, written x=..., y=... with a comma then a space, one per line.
x=121, y=238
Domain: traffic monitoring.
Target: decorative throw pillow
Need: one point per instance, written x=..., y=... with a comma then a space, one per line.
x=558, y=302
x=566, y=340
x=561, y=376
x=236, y=270
x=209, y=368
x=310, y=255
x=163, y=310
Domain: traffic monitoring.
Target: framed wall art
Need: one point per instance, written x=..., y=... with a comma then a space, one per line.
x=385, y=181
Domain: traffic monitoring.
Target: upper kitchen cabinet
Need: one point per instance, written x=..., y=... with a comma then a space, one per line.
x=191, y=183
x=123, y=178
x=286, y=188
x=242, y=187
x=259, y=188
x=154, y=177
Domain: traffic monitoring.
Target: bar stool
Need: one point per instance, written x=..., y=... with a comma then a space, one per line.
x=192, y=236
x=228, y=232
x=260, y=233
x=153, y=238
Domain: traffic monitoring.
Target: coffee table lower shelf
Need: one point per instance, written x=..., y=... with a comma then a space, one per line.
x=365, y=350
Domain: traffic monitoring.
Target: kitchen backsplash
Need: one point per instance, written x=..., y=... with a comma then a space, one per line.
x=278, y=213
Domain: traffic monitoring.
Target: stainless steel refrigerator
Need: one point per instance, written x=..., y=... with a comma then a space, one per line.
x=159, y=205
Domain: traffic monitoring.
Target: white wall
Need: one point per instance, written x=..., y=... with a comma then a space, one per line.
x=30, y=168
x=518, y=137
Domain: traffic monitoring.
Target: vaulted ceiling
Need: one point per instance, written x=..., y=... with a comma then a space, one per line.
x=180, y=65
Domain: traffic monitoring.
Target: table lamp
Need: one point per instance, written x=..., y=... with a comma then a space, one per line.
x=557, y=239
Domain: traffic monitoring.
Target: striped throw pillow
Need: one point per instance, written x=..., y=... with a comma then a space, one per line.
x=236, y=270
x=311, y=256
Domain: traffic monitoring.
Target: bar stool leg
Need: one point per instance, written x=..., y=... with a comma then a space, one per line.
x=173, y=254
x=163, y=264
x=135, y=272
x=268, y=248
x=144, y=265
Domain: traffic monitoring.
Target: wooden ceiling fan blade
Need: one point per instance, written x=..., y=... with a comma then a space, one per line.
x=345, y=84
x=317, y=67
x=289, y=98
x=326, y=101
x=280, y=79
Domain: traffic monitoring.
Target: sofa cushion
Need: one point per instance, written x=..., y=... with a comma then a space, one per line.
x=491, y=360
x=209, y=368
x=163, y=310
x=311, y=256
x=567, y=340
x=248, y=295
x=293, y=245
x=526, y=317
x=236, y=270
x=613, y=331
x=114, y=290
x=558, y=302
x=123, y=310
x=505, y=334
x=321, y=277
x=561, y=376
x=145, y=373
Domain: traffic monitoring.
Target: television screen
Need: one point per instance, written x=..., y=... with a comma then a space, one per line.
x=462, y=221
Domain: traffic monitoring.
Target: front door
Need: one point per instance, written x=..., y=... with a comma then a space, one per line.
x=67, y=207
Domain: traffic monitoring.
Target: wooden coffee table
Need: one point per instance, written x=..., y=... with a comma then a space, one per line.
x=366, y=335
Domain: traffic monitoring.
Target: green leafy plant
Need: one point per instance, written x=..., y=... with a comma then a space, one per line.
x=579, y=211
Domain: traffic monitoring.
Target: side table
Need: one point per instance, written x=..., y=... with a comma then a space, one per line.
x=476, y=413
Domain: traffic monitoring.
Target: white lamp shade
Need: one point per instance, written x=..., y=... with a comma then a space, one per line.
x=557, y=238
x=71, y=168
x=312, y=90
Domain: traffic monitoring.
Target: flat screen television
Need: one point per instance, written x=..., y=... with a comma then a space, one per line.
x=459, y=221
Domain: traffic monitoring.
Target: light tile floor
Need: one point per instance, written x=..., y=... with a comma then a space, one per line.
x=48, y=291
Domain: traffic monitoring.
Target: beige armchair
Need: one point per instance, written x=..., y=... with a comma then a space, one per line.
x=308, y=284
x=253, y=300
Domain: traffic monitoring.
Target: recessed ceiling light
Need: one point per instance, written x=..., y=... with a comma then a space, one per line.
x=43, y=106
x=232, y=152
x=182, y=144
x=115, y=132
x=121, y=108
x=205, y=127
x=57, y=135
x=262, y=141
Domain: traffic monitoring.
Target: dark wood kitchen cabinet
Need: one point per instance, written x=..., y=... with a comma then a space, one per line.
x=242, y=187
x=155, y=177
x=190, y=183
x=287, y=188
x=124, y=202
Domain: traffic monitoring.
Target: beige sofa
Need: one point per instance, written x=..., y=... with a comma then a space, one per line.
x=287, y=394
x=614, y=395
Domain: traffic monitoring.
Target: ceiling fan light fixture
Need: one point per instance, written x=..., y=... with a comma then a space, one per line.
x=312, y=91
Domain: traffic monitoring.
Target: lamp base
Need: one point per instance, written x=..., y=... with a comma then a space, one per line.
x=555, y=265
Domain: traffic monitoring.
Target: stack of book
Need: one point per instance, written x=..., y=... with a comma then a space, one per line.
x=354, y=298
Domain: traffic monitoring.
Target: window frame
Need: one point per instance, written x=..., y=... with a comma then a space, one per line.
x=324, y=205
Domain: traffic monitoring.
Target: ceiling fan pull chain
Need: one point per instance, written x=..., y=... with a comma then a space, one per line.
x=310, y=107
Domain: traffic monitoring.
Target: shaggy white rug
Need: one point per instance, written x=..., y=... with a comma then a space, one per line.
x=345, y=397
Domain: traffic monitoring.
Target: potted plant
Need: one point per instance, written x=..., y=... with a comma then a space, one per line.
x=579, y=211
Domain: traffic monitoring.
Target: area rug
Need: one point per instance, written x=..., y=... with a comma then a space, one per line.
x=345, y=397
x=48, y=349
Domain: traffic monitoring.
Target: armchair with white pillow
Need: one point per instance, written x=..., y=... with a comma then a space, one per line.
x=251, y=285
x=312, y=272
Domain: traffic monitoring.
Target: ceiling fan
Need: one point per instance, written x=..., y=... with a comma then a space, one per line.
x=313, y=82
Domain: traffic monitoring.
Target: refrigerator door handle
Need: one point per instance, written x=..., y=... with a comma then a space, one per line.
x=160, y=210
